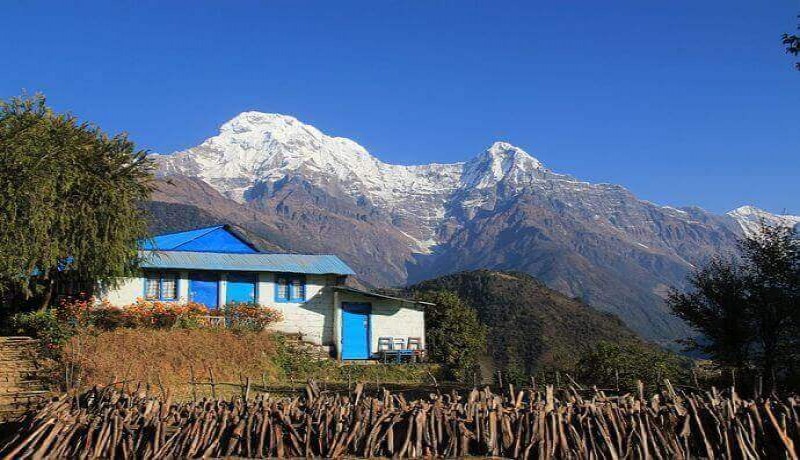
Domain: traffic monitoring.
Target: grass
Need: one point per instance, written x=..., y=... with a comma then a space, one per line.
x=169, y=358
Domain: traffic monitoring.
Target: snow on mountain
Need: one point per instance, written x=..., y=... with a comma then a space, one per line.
x=750, y=219
x=257, y=147
x=501, y=161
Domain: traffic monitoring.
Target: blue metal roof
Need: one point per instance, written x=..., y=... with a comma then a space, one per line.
x=289, y=263
x=219, y=238
x=170, y=241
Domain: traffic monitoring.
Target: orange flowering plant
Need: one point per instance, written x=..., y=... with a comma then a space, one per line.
x=82, y=312
x=157, y=314
x=86, y=311
x=249, y=315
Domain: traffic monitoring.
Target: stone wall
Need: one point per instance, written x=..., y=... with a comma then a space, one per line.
x=20, y=380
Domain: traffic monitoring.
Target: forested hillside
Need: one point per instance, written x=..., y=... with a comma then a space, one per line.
x=531, y=328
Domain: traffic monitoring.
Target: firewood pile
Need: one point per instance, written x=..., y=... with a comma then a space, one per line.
x=569, y=423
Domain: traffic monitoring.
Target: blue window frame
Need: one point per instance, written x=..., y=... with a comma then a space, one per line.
x=290, y=287
x=161, y=286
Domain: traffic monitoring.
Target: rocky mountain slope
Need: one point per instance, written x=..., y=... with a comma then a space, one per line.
x=301, y=190
x=751, y=218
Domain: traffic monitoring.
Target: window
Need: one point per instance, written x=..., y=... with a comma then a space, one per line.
x=151, y=289
x=297, y=290
x=160, y=286
x=168, y=287
x=290, y=288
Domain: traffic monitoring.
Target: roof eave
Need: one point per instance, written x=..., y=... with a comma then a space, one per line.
x=382, y=296
x=189, y=260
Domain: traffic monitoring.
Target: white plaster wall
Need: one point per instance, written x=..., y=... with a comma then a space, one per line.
x=183, y=286
x=124, y=293
x=396, y=319
x=312, y=318
x=222, y=293
x=390, y=318
x=129, y=289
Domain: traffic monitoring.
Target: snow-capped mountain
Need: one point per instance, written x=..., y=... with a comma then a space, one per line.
x=303, y=190
x=751, y=218
x=260, y=147
x=257, y=148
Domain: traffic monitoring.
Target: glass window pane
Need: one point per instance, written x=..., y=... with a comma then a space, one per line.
x=168, y=287
x=151, y=286
x=298, y=289
x=282, y=292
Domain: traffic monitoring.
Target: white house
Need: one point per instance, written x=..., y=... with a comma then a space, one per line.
x=217, y=265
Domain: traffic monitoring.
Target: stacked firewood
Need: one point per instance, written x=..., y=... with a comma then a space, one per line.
x=568, y=423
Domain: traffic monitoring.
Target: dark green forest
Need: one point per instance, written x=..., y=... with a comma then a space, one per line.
x=530, y=329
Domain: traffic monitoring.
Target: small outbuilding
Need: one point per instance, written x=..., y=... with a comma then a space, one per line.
x=216, y=266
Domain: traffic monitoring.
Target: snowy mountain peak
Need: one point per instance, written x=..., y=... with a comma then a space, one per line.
x=257, y=146
x=506, y=156
x=264, y=127
x=500, y=161
x=255, y=121
x=751, y=217
x=504, y=149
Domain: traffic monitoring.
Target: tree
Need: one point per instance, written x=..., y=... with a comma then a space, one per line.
x=454, y=335
x=747, y=309
x=610, y=364
x=70, y=198
x=717, y=306
x=792, y=43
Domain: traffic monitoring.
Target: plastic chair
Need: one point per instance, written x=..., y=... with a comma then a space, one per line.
x=398, y=343
x=415, y=347
x=384, y=344
x=386, y=348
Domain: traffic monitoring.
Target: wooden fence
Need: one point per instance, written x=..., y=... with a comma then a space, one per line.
x=519, y=424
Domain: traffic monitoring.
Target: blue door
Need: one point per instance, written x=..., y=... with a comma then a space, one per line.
x=355, y=330
x=240, y=287
x=204, y=288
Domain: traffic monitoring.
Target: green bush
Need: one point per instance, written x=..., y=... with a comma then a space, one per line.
x=45, y=326
x=299, y=364
x=610, y=364
x=455, y=337
x=107, y=319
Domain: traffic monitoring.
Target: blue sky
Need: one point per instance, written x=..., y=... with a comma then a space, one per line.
x=683, y=102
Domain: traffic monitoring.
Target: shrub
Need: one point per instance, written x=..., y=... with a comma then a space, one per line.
x=455, y=336
x=107, y=318
x=249, y=316
x=45, y=326
x=161, y=315
x=76, y=311
x=612, y=363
